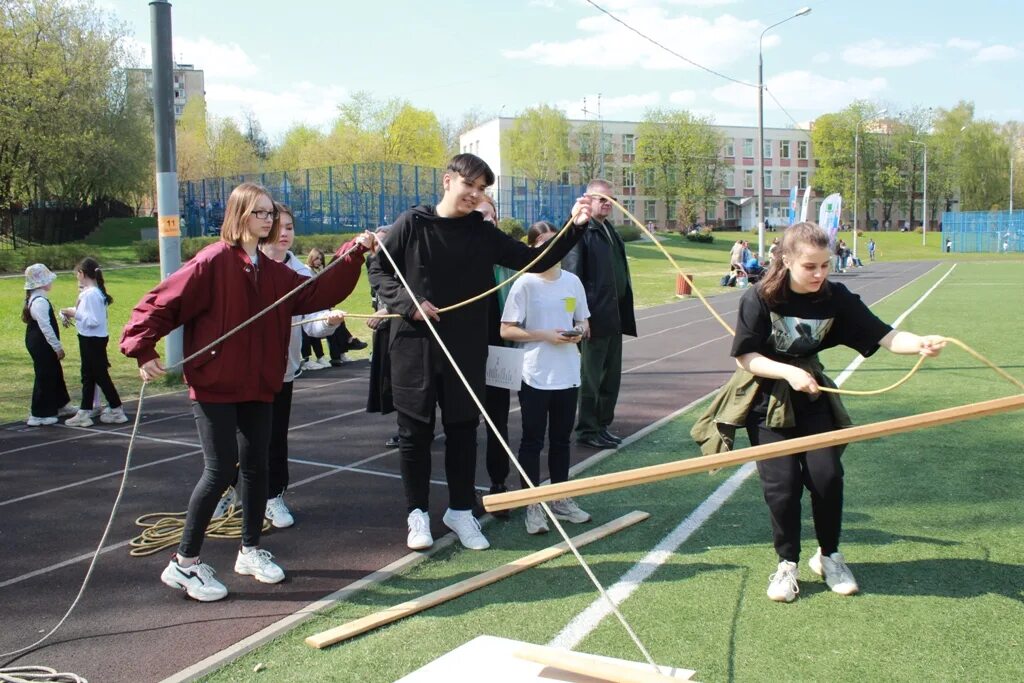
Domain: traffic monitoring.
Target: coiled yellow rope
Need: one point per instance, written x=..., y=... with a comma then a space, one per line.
x=162, y=530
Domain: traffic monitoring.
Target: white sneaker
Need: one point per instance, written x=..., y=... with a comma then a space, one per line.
x=536, y=520
x=835, y=572
x=68, y=410
x=311, y=365
x=229, y=498
x=196, y=580
x=343, y=358
x=419, y=530
x=323, y=363
x=566, y=509
x=34, y=421
x=783, y=586
x=113, y=417
x=81, y=419
x=259, y=564
x=278, y=513
x=465, y=526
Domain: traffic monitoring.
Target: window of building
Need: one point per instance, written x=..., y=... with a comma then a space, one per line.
x=730, y=179
x=767, y=151
x=784, y=181
x=628, y=144
x=670, y=210
x=628, y=177
x=650, y=208
x=710, y=212
x=648, y=177
x=607, y=143
x=671, y=175
x=730, y=211
x=748, y=179
x=629, y=205
x=748, y=147
x=767, y=180
x=730, y=149
x=565, y=178
x=801, y=149
x=784, y=149
x=802, y=180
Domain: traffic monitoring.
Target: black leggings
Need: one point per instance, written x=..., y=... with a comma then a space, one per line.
x=232, y=434
x=783, y=481
x=95, y=372
x=554, y=411
x=496, y=401
x=415, y=438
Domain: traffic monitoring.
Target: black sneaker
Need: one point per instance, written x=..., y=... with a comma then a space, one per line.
x=500, y=514
x=392, y=442
x=596, y=441
x=608, y=436
x=356, y=344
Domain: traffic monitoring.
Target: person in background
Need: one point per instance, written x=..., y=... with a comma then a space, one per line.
x=90, y=316
x=232, y=386
x=312, y=351
x=50, y=399
x=782, y=324
x=546, y=314
x=379, y=398
x=871, y=249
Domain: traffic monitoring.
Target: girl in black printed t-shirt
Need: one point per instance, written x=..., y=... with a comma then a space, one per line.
x=782, y=324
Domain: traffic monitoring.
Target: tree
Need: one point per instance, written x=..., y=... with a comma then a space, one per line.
x=588, y=143
x=412, y=136
x=229, y=150
x=451, y=131
x=301, y=147
x=678, y=160
x=191, y=141
x=255, y=136
x=538, y=144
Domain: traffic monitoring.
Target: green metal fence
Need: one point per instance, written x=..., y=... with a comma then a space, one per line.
x=983, y=231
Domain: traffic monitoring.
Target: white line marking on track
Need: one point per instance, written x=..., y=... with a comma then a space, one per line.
x=588, y=620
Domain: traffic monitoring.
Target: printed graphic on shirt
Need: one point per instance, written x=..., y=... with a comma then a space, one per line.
x=798, y=336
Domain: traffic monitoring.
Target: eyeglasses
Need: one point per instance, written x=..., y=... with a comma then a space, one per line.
x=263, y=215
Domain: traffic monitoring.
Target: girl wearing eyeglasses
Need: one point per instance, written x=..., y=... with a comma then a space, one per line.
x=232, y=385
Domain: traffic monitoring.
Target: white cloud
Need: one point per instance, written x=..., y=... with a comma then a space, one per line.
x=821, y=58
x=219, y=61
x=963, y=44
x=682, y=98
x=629, y=105
x=604, y=43
x=876, y=54
x=996, y=53
x=303, y=102
x=795, y=88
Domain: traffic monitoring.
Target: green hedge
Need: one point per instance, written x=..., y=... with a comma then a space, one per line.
x=149, y=251
x=512, y=228
x=628, y=232
x=54, y=256
x=702, y=235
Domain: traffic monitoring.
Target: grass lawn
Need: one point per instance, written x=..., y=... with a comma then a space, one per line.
x=934, y=532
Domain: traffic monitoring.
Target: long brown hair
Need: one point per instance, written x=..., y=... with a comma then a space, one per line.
x=241, y=203
x=90, y=268
x=537, y=229
x=774, y=286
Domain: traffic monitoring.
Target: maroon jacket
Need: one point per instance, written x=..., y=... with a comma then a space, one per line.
x=216, y=291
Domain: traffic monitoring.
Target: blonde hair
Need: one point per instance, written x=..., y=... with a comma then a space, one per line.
x=490, y=200
x=241, y=204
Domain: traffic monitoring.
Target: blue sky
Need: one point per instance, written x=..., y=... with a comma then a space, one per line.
x=295, y=61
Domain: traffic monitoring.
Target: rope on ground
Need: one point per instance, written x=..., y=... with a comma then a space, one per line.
x=163, y=530
x=515, y=461
x=38, y=674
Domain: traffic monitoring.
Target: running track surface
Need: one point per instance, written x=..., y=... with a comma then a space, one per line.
x=59, y=483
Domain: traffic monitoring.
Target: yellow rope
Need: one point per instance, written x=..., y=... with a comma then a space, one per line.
x=162, y=530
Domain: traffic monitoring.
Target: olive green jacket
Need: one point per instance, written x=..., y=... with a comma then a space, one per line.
x=715, y=430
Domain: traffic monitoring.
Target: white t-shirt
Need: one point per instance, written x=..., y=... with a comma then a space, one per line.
x=538, y=304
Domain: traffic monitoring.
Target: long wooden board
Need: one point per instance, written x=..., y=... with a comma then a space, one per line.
x=391, y=614
x=680, y=468
x=566, y=660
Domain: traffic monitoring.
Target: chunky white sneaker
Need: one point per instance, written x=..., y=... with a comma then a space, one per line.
x=567, y=509
x=323, y=363
x=113, y=417
x=835, y=572
x=278, y=513
x=81, y=419
x=783, y=586
x=311, y=365
x=259, y=564
x=419, y=530
x=34, y=421
x=465, y=526
x=536, y=520
x=226, y=501
x=196, y=580
x=68, y=410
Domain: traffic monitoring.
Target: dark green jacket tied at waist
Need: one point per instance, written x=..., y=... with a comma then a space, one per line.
x=715, y=430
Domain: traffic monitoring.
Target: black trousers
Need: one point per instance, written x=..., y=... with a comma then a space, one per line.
x=414, y=442
x=277, y=468
x=49, y=392
x=497, y=401
x=95, y=372
x=337, y=342
x=555, y=411
x=312, y=344
x=231, y=434
x=783, y=481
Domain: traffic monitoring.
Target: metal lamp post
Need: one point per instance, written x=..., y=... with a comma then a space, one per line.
x=856, y=173
x=760, y=130
x=924, y=219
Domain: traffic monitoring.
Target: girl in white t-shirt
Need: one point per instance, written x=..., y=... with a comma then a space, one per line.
x=546, y=314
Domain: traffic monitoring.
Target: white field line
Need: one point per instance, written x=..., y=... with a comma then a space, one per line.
x=587, y=620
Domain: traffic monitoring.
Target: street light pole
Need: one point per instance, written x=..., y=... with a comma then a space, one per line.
x=760, y=129
x=924, y=212
x=856, y=175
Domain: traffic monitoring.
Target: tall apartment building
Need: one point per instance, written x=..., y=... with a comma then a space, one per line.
x=188, y=84
x=788, y=161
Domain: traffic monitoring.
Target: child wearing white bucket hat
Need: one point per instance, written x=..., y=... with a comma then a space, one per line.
x=50, y=397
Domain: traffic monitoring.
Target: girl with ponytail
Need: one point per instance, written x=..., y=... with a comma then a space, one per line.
x=90, y=317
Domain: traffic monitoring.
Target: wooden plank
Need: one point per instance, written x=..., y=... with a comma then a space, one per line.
x=566, y=660
x=706, y=463
x=391, y=614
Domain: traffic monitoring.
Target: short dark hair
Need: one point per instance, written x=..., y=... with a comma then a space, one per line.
x=471, y=167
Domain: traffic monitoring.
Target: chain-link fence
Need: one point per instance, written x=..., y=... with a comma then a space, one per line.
x=983, y=231
x=364, y=196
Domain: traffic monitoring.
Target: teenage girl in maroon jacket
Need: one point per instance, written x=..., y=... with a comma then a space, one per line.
x=232, y=385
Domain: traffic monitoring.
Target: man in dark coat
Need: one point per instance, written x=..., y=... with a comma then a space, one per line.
x=599, y=261
x=447, y=254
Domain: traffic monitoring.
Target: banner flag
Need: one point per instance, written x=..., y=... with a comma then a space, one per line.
x=806, y=206
x=828, y=217
x=794, y=205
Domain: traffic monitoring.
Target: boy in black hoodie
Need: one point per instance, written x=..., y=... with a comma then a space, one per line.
x=447, y=254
